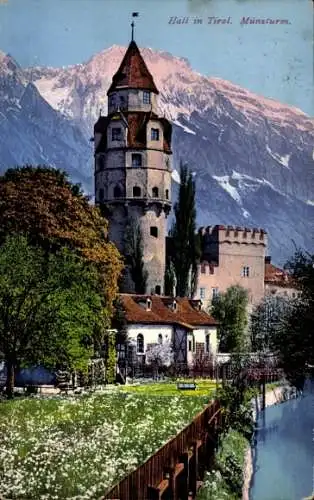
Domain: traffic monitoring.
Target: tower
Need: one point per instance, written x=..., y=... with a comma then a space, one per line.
x=132, y=163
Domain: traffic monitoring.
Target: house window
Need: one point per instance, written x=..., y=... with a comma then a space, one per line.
x=136, y=160
x=146, y=97
x=215, y=292
x=117, y=192
x=190, y=345
x=155, y=134
x=136, y=192
x=207, y=342
x=167, y=194
x=116, y=134
x=158, y=290
x=154, y=231
x=202, y=293
x=140, y=343
x=160, y=339
x=155, y=192
x=101, y=194
x=245, y=273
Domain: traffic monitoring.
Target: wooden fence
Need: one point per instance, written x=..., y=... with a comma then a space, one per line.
x=175, y=472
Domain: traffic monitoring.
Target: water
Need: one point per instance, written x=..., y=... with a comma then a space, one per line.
x=284, y=460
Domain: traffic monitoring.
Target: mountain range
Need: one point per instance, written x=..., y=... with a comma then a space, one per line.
x=253, y=157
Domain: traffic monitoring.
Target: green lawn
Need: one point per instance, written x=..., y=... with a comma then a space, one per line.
x=203, y=388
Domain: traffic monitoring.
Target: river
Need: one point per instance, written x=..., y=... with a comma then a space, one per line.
x=284, y=451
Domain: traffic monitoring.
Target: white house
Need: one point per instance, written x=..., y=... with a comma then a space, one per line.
x=153, y=319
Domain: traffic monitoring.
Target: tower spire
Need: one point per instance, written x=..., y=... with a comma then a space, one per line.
x=134, y=14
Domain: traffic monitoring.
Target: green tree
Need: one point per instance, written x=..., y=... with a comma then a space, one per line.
x=134, y=256
x=50, y=306
x=230, y=309
x=43, y=204
x=267, y=321
x=170, y=279
x=185, y=243
x=294, y=343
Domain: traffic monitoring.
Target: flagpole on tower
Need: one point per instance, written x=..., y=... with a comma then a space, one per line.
x=134, y=14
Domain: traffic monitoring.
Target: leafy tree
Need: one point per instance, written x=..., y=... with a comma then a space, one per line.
x=267, y=321
x=185, y=243
x=50, y=306
x=134, y=256
x=294, y=343
x=43, y=204
x=230, y=309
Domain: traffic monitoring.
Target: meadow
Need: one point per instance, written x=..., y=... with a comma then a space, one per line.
x=77, y=447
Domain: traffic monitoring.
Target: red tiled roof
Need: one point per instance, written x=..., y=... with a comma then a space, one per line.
x=161, y=313
x=133, y=72
x=276, y=276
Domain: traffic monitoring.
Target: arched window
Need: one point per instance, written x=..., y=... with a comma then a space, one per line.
x=207, y=342
x=155, y=192
x=160, y=338
x=167, y=194
x=157, y=289
x=140, y=343
x=117, y=192
x=136, y=191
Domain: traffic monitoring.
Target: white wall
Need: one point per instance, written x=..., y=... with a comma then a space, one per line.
x=150, y=333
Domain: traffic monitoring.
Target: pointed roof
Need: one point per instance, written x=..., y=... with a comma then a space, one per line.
x=133, y=72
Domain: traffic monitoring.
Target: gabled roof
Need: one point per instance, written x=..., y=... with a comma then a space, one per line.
x=133, y=72
x=161, y=313
x=276, y=276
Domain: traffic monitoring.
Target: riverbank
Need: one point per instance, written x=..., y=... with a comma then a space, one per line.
x=273, y=397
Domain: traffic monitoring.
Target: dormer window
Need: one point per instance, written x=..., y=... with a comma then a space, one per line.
x=116, y=134
x=148, y=305
x=155, y=134
x=146, y=97
x=174, y=306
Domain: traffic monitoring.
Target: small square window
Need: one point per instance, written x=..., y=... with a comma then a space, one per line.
x=136, y=160
x=146, y=97
x=154, y=231
x=116, y=134
x=155, y=134
x=245, y=273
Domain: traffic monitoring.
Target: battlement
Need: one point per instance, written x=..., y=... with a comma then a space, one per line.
x=233, y=234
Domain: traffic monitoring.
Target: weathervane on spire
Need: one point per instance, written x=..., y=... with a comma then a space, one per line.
x=134, y=14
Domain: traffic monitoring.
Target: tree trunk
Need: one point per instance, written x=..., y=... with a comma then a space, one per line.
x=10, y=378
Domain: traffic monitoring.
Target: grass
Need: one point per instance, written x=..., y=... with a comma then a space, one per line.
x=203, y=388
x=77, y=447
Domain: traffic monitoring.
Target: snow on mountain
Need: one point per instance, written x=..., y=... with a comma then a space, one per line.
x=253, y=156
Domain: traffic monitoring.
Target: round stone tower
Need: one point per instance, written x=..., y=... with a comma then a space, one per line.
x=132, y=164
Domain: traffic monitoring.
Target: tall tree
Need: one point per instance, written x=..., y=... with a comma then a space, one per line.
x=134, y=255
x=50, y=306
x=267, y=321
x=43, y=204
x=185, y=243
x=294, y=343
x=230, y=309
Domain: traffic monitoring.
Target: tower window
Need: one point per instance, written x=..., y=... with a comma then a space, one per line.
x=155, y=134
x=167, y=194
x=136, y=160
x=136, y=191
x=146, y=97
x=158, y=290
x=117, y=192
x=155, y=192
x=101, y=194
x=116, y=134
x=154, y=231
x=245, y=273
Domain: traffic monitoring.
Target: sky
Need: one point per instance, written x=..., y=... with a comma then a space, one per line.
x=273, y=60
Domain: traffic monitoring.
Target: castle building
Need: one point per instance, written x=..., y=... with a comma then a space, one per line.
x=232, y=256
x=132, y=164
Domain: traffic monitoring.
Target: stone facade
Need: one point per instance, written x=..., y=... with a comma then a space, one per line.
x=232, y=256
x=132, y=164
